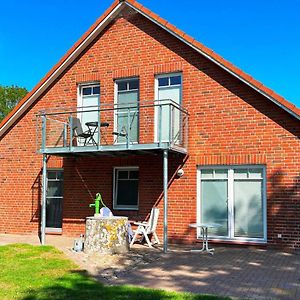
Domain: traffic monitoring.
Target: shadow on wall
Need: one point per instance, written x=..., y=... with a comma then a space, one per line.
x=36, y=196
x=283, y=207
x=84, y=177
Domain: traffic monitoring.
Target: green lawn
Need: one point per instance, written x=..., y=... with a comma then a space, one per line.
x=42, y=272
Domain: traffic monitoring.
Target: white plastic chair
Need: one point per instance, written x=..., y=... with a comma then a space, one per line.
x=147, y=228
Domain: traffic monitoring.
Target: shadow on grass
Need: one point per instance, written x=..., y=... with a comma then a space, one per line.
x=77, y=285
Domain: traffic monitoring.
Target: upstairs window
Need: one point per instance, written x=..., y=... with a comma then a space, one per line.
x=127, y=110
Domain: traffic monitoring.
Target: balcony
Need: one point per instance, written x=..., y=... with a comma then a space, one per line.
x=111, y=129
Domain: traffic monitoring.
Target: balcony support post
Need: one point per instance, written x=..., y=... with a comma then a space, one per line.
x=160, y=124
x=65, y=135
x=170, y=124
x=44, y=132
x=99, y=126
x=44, y=195
x=165, y=182
x=71, y=132
x=128, y=128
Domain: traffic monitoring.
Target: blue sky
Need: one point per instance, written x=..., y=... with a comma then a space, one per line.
x=260, y=37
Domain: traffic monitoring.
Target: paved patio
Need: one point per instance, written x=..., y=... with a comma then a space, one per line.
x=236, y=272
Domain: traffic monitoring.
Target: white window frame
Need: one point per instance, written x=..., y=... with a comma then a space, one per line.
x=80, y=94
x=230, y=200
x=115, y=188
x=156, y=100
x=116, y=105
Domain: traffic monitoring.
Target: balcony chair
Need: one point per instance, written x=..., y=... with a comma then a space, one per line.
x=78, y=132
x=122, y=133
x=146, y=228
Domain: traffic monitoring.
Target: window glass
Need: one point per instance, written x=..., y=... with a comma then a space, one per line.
x=87, y=91
x=163, y=81
x=126, y=189
x=122, y=86
x=207, y=173
x=248, y=209
x=127, y=193
x=133, y=84
x=51, y=175
x=128, y=98
x=60, y=175
x=134, y=174
x=214, y=206
x=175, y=80
x=123, y=174
x=241, y=173
x=55, y=189
x=96, y=90
x=255, y=173
x=54, y=184
x=220, y=173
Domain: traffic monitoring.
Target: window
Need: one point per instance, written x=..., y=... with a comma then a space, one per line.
x=168, y=90
x=126, y=184
x=54, y=199
x=88, y=106
x=235, y=198
x=127, y=112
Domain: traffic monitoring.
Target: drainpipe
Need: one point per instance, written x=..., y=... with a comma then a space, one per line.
x=43, y=206
x=165, y=167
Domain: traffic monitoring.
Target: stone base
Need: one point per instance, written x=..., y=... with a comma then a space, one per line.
x=106, y=235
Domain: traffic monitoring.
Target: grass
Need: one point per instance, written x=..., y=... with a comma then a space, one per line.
x=42, y=272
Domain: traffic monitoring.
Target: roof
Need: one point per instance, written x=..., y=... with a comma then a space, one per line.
x=100, y=24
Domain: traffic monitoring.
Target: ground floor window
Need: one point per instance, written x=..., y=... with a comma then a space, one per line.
x=54, y=199
x=126, y=186
x=235, y=198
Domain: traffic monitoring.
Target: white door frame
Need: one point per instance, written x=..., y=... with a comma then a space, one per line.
x=231, y=203
x=156, y=100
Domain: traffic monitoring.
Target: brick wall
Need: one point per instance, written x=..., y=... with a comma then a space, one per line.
x=229, y=124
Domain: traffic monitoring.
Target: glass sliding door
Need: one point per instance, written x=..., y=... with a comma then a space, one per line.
x=127, y=110
x=214, y=209
x=234, y=198
x=248, y=203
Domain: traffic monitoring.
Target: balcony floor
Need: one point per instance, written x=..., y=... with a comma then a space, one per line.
x=113, y=150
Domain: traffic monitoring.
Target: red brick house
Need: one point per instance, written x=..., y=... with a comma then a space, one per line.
x=151, y=101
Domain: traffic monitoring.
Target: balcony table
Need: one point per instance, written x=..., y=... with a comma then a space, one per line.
x=204, y=227
x=92, y=128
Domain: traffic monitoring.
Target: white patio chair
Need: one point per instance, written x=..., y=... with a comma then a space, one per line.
x=146, y=228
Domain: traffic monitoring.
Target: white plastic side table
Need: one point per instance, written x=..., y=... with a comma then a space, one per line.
x=204, y=227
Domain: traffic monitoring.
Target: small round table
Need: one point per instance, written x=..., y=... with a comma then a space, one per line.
x=204, y=227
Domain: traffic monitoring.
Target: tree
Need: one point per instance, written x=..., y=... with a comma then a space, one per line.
x=9, y=97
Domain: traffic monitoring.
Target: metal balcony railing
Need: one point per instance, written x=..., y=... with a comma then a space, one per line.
x=160, y=124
